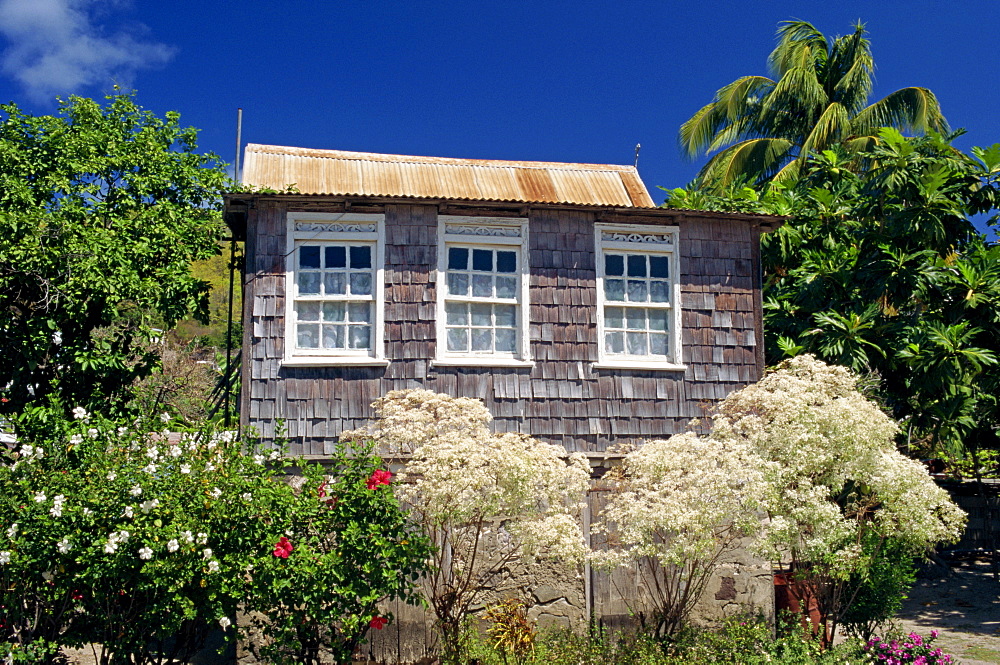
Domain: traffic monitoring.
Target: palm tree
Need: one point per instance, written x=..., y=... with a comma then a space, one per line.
x=764, y=129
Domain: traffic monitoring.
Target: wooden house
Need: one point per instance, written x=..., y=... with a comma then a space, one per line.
x=558, y=293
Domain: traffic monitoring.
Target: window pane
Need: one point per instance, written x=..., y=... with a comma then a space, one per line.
x=614, y=317
x=506, y=287
x=635, y=342
x=309, y=257
x=658, y=319
x=659, y=266
x=635, y=318
x=637, y=266
x=458, y=285
x=336, y=257
x=458, y=339
x=333, y=337
x=481, y=314
x=506, y=316
x=482, y=286
x=659, y=291
x=658, y=344
x=506, y=340
x=360, y=337
x=307, y=311
x=458, y=258
x=456, y=313
x=482, y=339
x=506, y=261
x=637, y=291
x=309, y=282
x=333, y=311
x=335, y=283
x=308, y=335
x=614, y=264
x=359, y=312
x=614, y=342
x=361, y=283
x=614, y=289
x=361, y=257
x=482, y=259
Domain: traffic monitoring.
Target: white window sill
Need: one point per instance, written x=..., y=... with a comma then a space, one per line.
x=640, y=364
x=333, y=361
x=481, y=362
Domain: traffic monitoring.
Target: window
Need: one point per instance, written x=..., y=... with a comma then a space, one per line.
x=482, y=291
x=638, y=312
x=335, y=284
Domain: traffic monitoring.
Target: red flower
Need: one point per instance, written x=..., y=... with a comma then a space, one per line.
x=380, y=477
x=76, y=595
x=321, y=490
x=378, y=622
x=283, y=548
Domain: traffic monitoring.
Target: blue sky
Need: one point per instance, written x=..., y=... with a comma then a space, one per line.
x=551, y=81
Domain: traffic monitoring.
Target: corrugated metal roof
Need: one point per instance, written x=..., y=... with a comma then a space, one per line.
x=338, y=172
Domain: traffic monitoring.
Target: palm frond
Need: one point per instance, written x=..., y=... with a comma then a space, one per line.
x=730, y=104
x=794, y=39
x=829, y=128
x=763, y=156
x=850, y=71
x=908, y=109
x=797, y=95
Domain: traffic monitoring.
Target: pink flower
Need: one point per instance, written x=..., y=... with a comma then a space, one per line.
x=321, y=490
x=380, y=477
x=283, y=548
x=378, y=622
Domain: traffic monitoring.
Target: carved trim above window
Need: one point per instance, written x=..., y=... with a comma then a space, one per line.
x=335, y=227
x=483, y=231
x=638, y=238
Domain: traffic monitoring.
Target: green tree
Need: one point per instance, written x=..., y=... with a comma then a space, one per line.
x=103, y=209
x=765, y=128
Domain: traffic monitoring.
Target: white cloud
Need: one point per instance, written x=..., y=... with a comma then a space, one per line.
x=56, y=47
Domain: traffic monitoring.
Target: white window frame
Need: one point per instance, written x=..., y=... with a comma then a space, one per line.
x=483, y=233
x=651, y=241
x=335, y=229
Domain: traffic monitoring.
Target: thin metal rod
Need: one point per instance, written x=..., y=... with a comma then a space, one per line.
x=228, y=378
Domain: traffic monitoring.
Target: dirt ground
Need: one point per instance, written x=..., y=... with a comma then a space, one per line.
x=962, y=602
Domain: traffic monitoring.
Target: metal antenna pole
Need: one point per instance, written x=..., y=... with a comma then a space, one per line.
x=227, y=382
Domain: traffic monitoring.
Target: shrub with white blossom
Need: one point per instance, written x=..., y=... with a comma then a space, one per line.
x=142, y=543
x=834, y=475
x=677, y=507
x=486, y=500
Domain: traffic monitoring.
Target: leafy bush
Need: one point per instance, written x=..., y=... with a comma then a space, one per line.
x=877, y=592
x=911, y=648
x=144, y=542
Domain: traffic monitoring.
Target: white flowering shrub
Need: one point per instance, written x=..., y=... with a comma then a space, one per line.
x=677, y=507
x=833, y=473
x=143, y=542
x=486, y=500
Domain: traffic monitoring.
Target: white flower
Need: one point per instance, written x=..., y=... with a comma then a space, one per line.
x=225, y=623
x=164, y=417
x=258, y=459
x=246, y=496
x=27, y=450
x=12, y=531
x=129, y=512
x=92, y=433
x=87, y=511
x=274, y=455
x=209, y=467
x=80, y=413
x=48, y=575
x=211, y=443
x=57, y=505
x=202, y=538
x=188, y=537
x=215, y=493
x=207, y=552
x=111, y=546
x=135, y=491
x=213, y=566
x=122, y=430
x=145, y=553
x=173, y=545
x=185, y=468
x=123, y=535
x=150, y=468
x=175, y=451
x=40, y=497
x=64, y=545
x=57, y=338
x=4, y=557
x=153, y=453
x=76, y=439
x=149, y=505
x=112, y=475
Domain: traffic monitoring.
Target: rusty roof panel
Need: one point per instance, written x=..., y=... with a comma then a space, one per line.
x=337, y=172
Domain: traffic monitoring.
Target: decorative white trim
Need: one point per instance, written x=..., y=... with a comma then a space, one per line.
x=511, y=232
x=376, y=237
x=647, y=240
